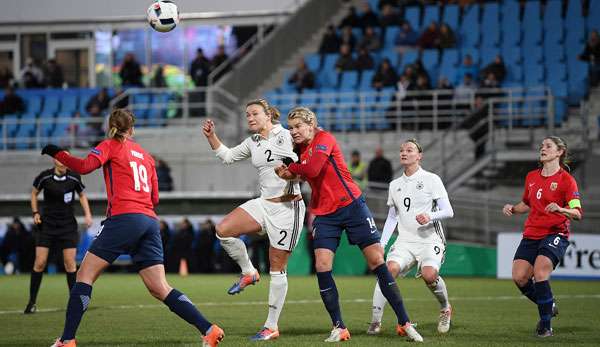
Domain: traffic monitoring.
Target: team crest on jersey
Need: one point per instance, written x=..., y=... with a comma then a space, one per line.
x=280, y=141
x=553, y=186
x=419, y=185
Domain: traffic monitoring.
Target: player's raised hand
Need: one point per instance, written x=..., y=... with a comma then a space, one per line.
x=552, y=207
x=51, y=150
x=423, y=218
x=508, y=210
x=37, y=219
x=283, y=172
x=208, y=128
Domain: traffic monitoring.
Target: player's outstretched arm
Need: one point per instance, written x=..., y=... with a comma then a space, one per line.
x=81, y=166
x=389, y=227
x=208, y=129
x=519, y=208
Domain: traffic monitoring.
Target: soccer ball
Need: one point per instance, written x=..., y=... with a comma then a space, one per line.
x=163, y=16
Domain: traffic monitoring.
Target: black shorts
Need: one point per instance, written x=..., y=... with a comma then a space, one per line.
x=59, y=235
x=552, y=246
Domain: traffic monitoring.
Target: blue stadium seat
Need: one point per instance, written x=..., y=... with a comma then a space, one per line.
x=51, y=106
x=349, y=80
x=390, y=36
x=430, y=59
x=343, y=119
x=490, y=31
x=450, y=57
x=532, y=55
x=392, y=55
x=473, y=52
x=413, y=16
x=46, y=127
x=574, y=10
x=532, y=32
x=556, y=72
x=532, y=11
x=310, y=100
x=409, y=57
x=365, y=79
x=10, y=121
x=511, y=24
x=534, y=76
x=488, y=54
x=514, y=74
x=432, y=14
x=469, y=30
x=328, y=77
x=553, y=22
x=450, y=17
x=554, y=52
x=141, y=106
x=593, y=18
x=313, y=61
x=511, y=54
x=68, y=104
x=34, y=104
x=158, y=113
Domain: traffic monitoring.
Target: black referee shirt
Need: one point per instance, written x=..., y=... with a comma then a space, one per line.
x=59, y=195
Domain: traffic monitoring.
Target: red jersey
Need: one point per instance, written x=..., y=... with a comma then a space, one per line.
x=322, y=164
x=129, y=175
x=540, y=191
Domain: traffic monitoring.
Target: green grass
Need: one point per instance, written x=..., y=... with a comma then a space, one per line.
x=487, y=312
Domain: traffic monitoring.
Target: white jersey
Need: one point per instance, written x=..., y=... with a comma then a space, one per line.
x=414, y=195
x=266, y=154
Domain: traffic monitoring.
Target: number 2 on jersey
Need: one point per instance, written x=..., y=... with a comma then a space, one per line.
x=139, y=174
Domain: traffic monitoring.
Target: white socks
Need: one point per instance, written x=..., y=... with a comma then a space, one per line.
x=236, y=249
x=379, y=302
x=438, y=288
x=277, y=292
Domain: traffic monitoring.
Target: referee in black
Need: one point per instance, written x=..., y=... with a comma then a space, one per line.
x=56, y=222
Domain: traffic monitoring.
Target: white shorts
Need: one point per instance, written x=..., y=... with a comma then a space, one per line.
x=409, y=254
x=282, y=221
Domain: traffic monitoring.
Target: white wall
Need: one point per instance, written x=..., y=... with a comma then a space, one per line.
x=19, y=11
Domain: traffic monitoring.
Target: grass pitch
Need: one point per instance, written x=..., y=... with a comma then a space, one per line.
x=487, y=312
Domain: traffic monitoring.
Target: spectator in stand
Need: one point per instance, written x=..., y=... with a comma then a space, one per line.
x=345, y=62
x=158, y=79
x=131, y=72
x=591, y=54
x=370, y=40
x=96, y=107
x=430, y=37
x=389, y=17
x=410, y=73
x=199, y=69
x=347, y=38
x=330, y=43
x=121, y=102
x=446, y=38
x=12, y=103
x=302, y=78
x=467, y=67
x=358, y=170
x=6, y=77
x=490, y=81
x=182, y=247
x=464, y=93
x=79, y=131
x=364, y=60
x=497, y=68
x=419, y=69
x=165, y=236
x=380, y=171
x=444, y=84
x=476, y=126
x=31, y=76
x=53, y=76
x=368, y=18
x=352, y=20
x=19, y=241
x=406, y=38
x=385, y=76
x=163, y=173
x=404, y=85
x=219, y=58
x=206, y=247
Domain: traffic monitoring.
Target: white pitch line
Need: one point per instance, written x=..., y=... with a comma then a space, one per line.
x=301, y=302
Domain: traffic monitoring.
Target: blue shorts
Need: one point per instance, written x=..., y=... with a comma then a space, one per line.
x=135, y=234
x=552, y=246
x=355, y=218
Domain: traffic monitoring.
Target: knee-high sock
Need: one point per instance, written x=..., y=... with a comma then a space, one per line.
x=238, y=252
x=34, y=284
x=329, y=295
x=277, y=292
x=389, y=289
x=79, y=299
x=379, y=302
x=438, y=288
x=182, y=306
x=529, y=290
x=544, y=301
x=71, y=276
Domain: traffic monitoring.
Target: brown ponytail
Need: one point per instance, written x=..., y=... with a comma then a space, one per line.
x=121, y=120
x=269, y=110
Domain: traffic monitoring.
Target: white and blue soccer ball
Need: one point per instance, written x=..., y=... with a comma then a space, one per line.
x=163, y=16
